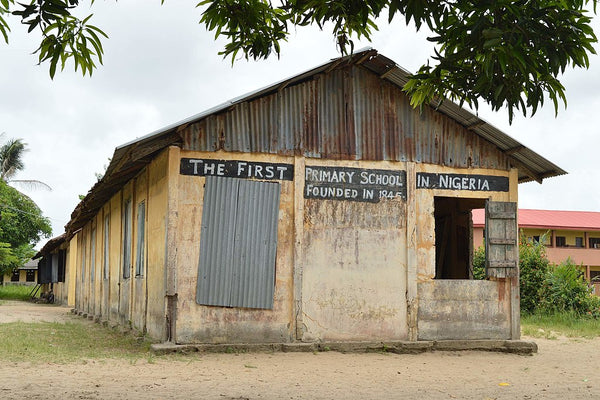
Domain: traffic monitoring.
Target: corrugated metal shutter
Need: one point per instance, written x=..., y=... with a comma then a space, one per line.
x=106, y=245
x=238, y=243
x=93, y=257
x=127, y=239
x=141, y=239
x=502, y=252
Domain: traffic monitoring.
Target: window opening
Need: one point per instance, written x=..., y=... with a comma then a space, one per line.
x=454, y=236
x=15, y=275
x=594, y=243
x=561, y=241
x=30, y=275
x=578, y=242
x=62, y=265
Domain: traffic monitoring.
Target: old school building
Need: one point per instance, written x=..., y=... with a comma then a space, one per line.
x=320, y=208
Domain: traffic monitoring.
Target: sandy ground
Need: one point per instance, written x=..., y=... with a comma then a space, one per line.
x=562, y=369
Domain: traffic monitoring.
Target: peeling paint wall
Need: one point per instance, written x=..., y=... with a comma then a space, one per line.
x=156, y=244
x=460, y=309
x=354, y=266
x=464, y=309
x=214, y=324
x=113, y=297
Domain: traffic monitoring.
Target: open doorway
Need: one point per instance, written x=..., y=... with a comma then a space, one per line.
x=454, y=236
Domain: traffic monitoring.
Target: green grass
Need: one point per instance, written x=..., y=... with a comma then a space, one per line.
x=68, y=342
x=561, y=324
x=15, y=292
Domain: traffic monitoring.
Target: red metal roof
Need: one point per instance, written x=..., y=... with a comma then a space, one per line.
x=550, y=219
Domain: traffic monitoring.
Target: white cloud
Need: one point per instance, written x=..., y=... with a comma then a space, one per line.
x=161, y=66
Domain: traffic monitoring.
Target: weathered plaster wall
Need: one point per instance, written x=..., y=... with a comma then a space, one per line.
x=354, y=265
x=139, y=294
x=464, y=309
x=199, y=323
x=115, y=298
x=156, y=244
x=115, y=256
x=460, y=309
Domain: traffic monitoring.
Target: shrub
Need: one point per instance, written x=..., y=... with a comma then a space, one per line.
x=565, y=289
x=479, y=263
x=534, y=267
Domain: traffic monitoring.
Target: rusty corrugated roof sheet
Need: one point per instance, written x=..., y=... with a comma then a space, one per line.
x=50, y=246
x=128, y=159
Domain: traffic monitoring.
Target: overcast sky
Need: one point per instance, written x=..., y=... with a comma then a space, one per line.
x=161, y=66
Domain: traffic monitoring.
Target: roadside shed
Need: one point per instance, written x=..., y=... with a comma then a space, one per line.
x=320, y=208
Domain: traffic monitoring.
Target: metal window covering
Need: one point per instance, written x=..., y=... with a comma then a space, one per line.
x=106, y=245
x=141, y=242
x=238, y=243
x=93, y=257
x=82, y=258
x=127, y=239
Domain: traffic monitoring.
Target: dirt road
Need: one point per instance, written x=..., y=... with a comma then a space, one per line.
x=562, y=369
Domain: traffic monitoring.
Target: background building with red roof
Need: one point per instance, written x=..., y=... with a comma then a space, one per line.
x=574, y=234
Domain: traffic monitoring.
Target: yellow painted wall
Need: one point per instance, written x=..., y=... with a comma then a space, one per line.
x=156, y=238
x=116, y=226
x=118, y=299
x=570, y=236
x=22, y=278
x=71, y=270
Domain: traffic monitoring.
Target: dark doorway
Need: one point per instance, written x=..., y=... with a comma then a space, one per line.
x=454, y=236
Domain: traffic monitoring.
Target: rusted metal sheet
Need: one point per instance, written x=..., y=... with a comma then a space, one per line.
x=235, y=269
x=326, y=112
x=347, y=113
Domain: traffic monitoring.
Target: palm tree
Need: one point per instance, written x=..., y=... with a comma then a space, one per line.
x=11, y=161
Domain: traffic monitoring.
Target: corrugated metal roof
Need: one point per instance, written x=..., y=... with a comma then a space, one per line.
x=128, y=159
x=550, y=219
x=50, y=246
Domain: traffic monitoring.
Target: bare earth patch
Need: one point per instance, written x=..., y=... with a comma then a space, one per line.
x=20, y=311
x=562, y=369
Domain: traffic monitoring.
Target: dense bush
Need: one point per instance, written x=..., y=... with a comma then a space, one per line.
x=479, y=263
x=545, y=288
x=534, y=268
x=533, y=264
x=565, y=289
